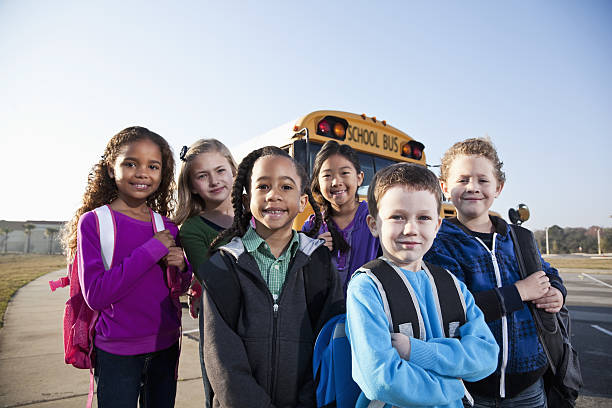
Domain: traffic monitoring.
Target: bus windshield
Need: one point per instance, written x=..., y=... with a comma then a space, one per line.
x=369, y=163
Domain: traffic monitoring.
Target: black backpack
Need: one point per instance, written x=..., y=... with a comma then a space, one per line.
x=563, y=379
x=332, y=354
x=403, y=305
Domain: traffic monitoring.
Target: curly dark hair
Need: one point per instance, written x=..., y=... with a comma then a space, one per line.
x=331, y=148
x=101, y=188
x=242, y=183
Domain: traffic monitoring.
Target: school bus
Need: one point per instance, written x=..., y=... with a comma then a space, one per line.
x=378, y=144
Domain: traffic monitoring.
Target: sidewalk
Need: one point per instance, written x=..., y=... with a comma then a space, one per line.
x=32, y=368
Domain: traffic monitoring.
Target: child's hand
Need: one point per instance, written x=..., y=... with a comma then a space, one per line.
x=551, y=302
x=533, y=287
x=193, y=298
x=401, y=343
x=175, y=258
x=329, y=243
x=166, y=238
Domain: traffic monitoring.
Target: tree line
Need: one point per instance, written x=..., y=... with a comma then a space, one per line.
x=572, y=240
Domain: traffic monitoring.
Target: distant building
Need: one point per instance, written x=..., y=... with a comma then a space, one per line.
x=44, y=237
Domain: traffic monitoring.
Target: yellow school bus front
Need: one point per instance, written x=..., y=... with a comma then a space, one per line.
x=364, y=134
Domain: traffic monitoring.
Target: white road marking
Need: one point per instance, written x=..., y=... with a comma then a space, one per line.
x=190, y=331
x=596, y=280
x=601, y=329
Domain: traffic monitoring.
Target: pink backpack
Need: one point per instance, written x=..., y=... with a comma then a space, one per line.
x=79, y=319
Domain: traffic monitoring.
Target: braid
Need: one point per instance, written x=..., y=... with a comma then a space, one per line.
x=331, y=148
x=338, y=240
x=242, y=216
x=316, y=225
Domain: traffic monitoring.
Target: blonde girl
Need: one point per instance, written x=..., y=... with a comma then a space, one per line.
x=204, y=210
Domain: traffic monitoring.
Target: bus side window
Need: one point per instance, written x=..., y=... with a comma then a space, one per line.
x=367, y=166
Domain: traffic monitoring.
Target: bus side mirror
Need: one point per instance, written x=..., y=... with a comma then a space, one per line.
x=518, y=215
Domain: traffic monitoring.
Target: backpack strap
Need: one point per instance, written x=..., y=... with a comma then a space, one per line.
x=525, y=248
x=106, y=227
x=450, y=302
x=404, y=316
x=523, y=240
x=158, y=221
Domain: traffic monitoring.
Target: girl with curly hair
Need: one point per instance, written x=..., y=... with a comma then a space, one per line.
x=137, y=332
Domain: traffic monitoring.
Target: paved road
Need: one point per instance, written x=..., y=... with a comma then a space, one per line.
x=590, y=303
x=33, y=373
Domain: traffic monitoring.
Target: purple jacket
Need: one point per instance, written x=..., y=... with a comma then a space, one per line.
x=137, y=314
x=364, y=247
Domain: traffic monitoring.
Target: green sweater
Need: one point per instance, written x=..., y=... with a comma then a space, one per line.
x=196, y=236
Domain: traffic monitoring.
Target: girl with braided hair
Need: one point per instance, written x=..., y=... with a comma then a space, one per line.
x=336, y=177
x=263, y=356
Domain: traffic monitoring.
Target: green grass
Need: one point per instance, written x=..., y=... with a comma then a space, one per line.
x=580, y=263
x=18, y=270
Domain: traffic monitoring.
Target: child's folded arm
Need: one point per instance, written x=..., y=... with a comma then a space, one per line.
x=472, y=357
x=227, y=364
x=379, y=371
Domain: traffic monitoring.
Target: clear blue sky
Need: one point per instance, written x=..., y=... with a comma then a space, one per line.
x=535, y=76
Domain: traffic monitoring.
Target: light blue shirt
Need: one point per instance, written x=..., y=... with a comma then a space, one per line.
x=431, y=376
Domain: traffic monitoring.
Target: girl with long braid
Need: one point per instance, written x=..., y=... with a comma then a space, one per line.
x=265, y=358
x=336, y=177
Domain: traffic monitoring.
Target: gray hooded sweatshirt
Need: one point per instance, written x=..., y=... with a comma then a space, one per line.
x=267, y=360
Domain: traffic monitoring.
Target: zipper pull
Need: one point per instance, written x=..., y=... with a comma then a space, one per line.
x=275, y=306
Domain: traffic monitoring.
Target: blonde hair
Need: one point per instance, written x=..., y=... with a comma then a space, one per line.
x=473, y=147
x=190, y=204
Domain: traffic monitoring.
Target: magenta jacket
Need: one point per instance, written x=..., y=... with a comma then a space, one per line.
x=137, y=314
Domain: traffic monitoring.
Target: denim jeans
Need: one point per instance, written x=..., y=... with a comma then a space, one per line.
x=149, y=378
x=531, y=397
